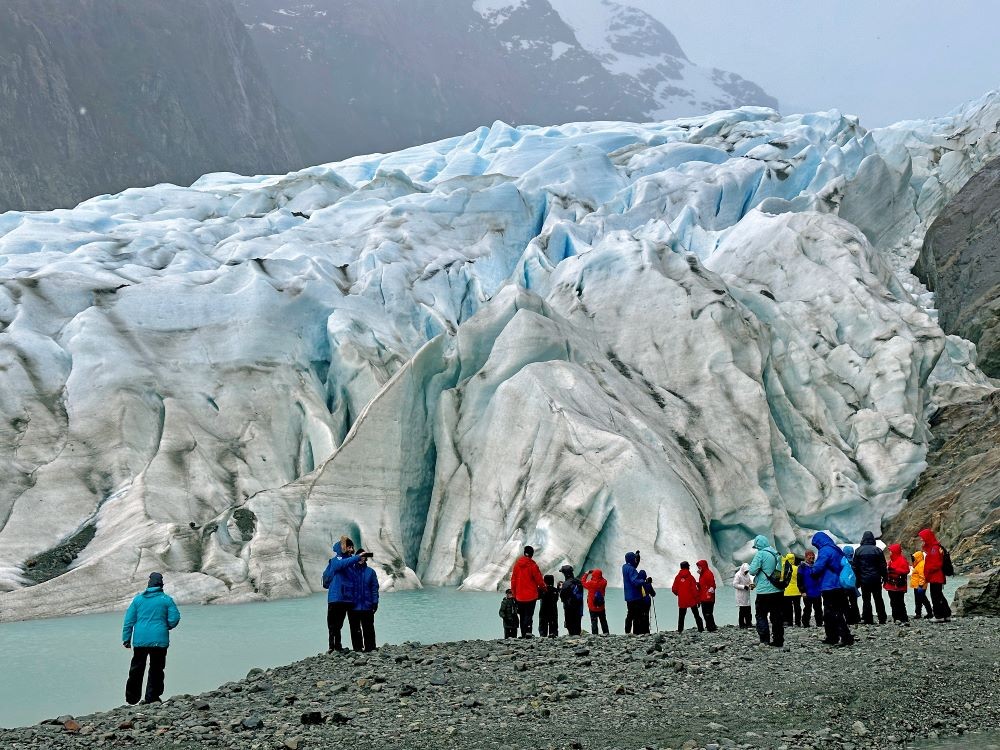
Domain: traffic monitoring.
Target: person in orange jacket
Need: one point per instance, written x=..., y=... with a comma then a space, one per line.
x=706, y=587
x=527, y=584
x=685, y=588
x=919, y=585
x=596, y=585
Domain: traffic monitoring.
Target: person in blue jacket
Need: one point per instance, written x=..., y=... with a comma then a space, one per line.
x=770, y=604
x=826, y=571
x=148, y=622
x=339, y=581
x=362, y=616
x=633, y=582
x=814, y=592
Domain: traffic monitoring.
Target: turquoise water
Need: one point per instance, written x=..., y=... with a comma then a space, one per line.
x=77, y=665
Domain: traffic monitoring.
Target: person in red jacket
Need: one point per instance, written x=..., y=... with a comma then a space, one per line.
x=685, y=588
x=527, y=584
x=934, y=573
x=897, y=572
x=596, y=585
x=706, y=587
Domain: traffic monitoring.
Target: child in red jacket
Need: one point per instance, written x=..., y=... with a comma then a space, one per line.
x=688, y=596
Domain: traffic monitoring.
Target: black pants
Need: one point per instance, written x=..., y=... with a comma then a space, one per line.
x=771, y=607
x=362, y=625
x=548, y=623
x=941, y=609
x=813, y=604
x=599, y=617
x=708, y=609
x=870, y=591
x=793, y=611
x=526, y=613
x=922, y=603
x=746, y=618
x=574, y=619
x=510, y=630
x=154, y=685
x=852, y=615
x=834, y=618
x=697, y=618
x=335, y=614
x=897, y=602
x=634, y=613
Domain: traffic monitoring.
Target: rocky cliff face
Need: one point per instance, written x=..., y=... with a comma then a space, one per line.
x=101, y=95
x=960, y=262
x=377, y=75
x=959, y=493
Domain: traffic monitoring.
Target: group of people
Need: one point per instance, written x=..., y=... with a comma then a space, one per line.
x=826, y=585
x=352, y=594
x=828, y=582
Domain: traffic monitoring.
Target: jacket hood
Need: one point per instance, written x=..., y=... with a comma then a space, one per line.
x=760, y=542
x=153, y=591
x=849, y=551
x=928, y=536
x=598, y=574
x=918, y=556
x=642, y=573
x=895, y=551
x=630, y=558
x=702, y=565
x=745, y=568
x=868, y=538
x=790, y=558
x=822, y=539
x=337, y=549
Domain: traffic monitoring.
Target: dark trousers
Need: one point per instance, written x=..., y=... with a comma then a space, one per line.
x=548, y=623
x=526, y=613
x=852, y=615
x=335, y=614
x=834, y=617
x=922, y=603
x=870, y=591
x=708, y=609
x=362, y=625
x=599, y=617
x=137, y=669
x=746, y=618
x=941, y=609
x=574, y=619
x=812, y=604
x=793, y=611
x=634, y=613
x=510, y=630
x=697, y=618
x=897, y=602
x=771, y=607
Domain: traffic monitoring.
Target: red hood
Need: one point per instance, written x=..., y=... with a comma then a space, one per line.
x=895, y=551
x=702, y=565
x=598, y=574
x=928, y=536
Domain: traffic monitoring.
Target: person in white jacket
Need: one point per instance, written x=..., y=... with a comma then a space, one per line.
x=743, y=583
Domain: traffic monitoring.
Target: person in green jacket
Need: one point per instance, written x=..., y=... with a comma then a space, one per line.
x=148, y=622
x=508, y=613
x=770, y=605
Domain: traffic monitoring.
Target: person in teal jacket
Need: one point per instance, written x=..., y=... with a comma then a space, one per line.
x=770, y=605
x=148, y=622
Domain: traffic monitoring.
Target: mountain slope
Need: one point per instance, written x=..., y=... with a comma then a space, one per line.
x=378, y=75
x=100, y=95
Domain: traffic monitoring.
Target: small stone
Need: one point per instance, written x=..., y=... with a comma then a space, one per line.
x=311, y=718
x=71, y=725
x=292, y=743
x=202, y=706
x=859, y=729
x=252, y=722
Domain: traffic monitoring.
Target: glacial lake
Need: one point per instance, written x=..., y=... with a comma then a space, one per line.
x=77, y=665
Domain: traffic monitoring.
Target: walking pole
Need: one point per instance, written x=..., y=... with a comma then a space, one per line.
x=655, y=623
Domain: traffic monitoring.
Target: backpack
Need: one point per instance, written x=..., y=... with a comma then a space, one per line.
x=784, y=576
x=847, y=578
x=598, y=598
x=573, y=591
x=946, y=565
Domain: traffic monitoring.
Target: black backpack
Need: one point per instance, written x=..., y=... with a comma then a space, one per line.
x=784, y=575
x=946, y=565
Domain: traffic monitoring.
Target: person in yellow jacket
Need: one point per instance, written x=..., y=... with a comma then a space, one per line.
x=793, y=594
x=919, y=585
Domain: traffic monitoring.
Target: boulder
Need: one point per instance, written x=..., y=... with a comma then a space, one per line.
x=980, y=596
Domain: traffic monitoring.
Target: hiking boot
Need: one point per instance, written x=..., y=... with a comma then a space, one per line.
x=829, y=643
x=844, y=644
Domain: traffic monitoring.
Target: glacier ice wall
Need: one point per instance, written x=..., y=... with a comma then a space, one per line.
x=592, y=338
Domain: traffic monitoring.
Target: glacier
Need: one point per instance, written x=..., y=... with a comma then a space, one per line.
x=591, y=338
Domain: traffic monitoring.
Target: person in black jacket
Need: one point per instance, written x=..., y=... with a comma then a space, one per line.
x=869, y=562
x=548, y=613
x=572, y=595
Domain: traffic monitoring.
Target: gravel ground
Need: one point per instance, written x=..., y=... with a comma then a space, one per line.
x=924, y=685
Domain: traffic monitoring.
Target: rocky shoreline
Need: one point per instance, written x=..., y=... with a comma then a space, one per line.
x=896, y=688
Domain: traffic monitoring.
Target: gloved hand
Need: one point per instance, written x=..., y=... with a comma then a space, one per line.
x=375, y=608
x=127, y=644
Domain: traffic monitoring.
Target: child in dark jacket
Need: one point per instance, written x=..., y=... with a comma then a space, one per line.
x=548, y=611
x=508, y=612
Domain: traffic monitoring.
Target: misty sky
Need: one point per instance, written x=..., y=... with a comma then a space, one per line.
x=885, y=60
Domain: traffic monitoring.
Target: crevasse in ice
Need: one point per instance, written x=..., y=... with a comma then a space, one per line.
x=592, y=338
